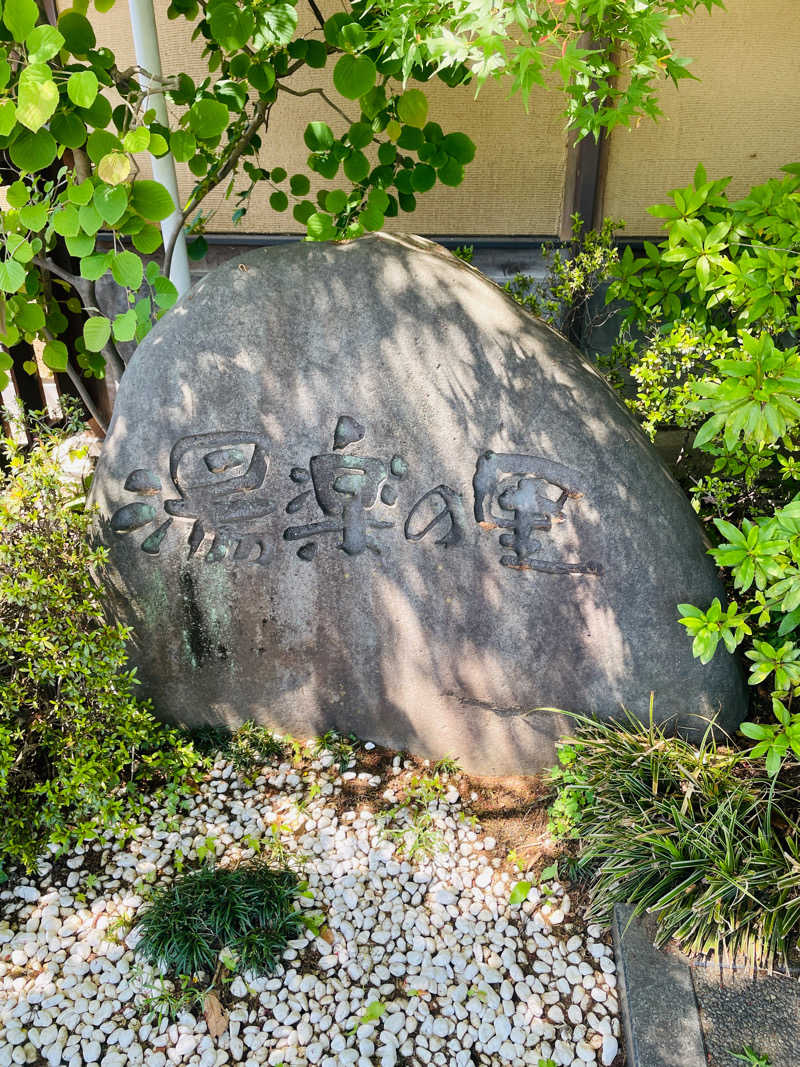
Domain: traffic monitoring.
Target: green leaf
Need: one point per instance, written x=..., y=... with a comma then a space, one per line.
x=519, y=894
x=114, y=168
x=183, y=145
x=755, y=731
x=459, y=146
x=276, y=25
x=360, y=134
x=100, y=143
x=68, y=129
x=299, y=184
x=158, y=145
x=261, y=76
x=80, y=245
x=371, y=219
x=318, y=136
x=423, y=178
x=320, y=228
x=354, y=76
x=147, y=240
x=90, y=218
x=127, y=269
x=8, y=117
x=33, y=151
x=12, y=276
x=773, y=762
x=452, y=173
x=336, y=201
x=279, y=201
x=29, y=318
x=151, y=200
x=78, y=34
x=96, y=332
x=111, y=202
x=81, y=193
x=165, y=292
x=54, y=356
x=356, y=167
x=197, y=248
x=136, y=140
x=208, y=119
x=549, y=872
x=317, y=55
x=42, y=43
x=33, y=216
x=125, y=326
x=65, y=221
x=20, y=18
x=37, y=96
x=412, y=108
x=303, y=211
x=230, y=26
x=94, y=267
x=372, y=1012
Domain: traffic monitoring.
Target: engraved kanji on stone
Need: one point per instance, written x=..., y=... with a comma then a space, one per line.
x=220, y=480
x=531, y=493
x=346, y=487
x=440, y=509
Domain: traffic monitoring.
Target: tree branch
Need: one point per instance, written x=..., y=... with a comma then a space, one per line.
x=317, y=13
x=317, y=92
x=89, y=404
x=261, y=117
x=87, y=292
x=110, y=351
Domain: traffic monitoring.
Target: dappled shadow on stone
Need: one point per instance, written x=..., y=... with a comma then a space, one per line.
x=387, y=373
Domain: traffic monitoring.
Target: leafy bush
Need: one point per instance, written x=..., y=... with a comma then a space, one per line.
x=248, y=910
x=574, y=273
x=718, y=298
x=76, y=747
x=698, y=836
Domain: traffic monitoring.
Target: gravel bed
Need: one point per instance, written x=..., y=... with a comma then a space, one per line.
x=463, y=977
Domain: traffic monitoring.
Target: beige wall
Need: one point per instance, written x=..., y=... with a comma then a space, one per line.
x=514, y=185
x=742, y=118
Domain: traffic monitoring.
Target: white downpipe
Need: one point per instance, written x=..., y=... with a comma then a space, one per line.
x=145, y=39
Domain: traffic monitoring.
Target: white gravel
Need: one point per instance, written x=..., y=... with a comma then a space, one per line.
x=464, y=979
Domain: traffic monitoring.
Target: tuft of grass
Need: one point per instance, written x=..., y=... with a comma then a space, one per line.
x=342, y=748
x=750, y=1056
x=253, y=745
x=698, y=836
x=446, y=765
x=249, y=909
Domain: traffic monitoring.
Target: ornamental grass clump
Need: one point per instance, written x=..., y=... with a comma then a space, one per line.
x=77, y=749
x=699, y=836
x=249, y=910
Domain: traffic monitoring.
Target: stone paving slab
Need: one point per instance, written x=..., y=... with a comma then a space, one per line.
x=659, y=1009
x=737, y=1010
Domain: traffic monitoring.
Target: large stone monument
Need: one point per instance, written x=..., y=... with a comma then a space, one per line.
x=356, y=486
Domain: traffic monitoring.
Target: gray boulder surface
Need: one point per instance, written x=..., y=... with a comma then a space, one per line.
x=356, y=486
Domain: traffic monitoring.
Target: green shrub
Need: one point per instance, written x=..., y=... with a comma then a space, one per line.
x=76, y=747
x=718, y=301
x=699, y=836
x=248, y=910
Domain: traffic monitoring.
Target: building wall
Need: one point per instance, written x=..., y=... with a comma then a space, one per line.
x=740, y=118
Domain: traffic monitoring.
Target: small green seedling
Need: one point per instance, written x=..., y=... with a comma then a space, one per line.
x=519, y=894
x=750, y=1056
x=371, y=1013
